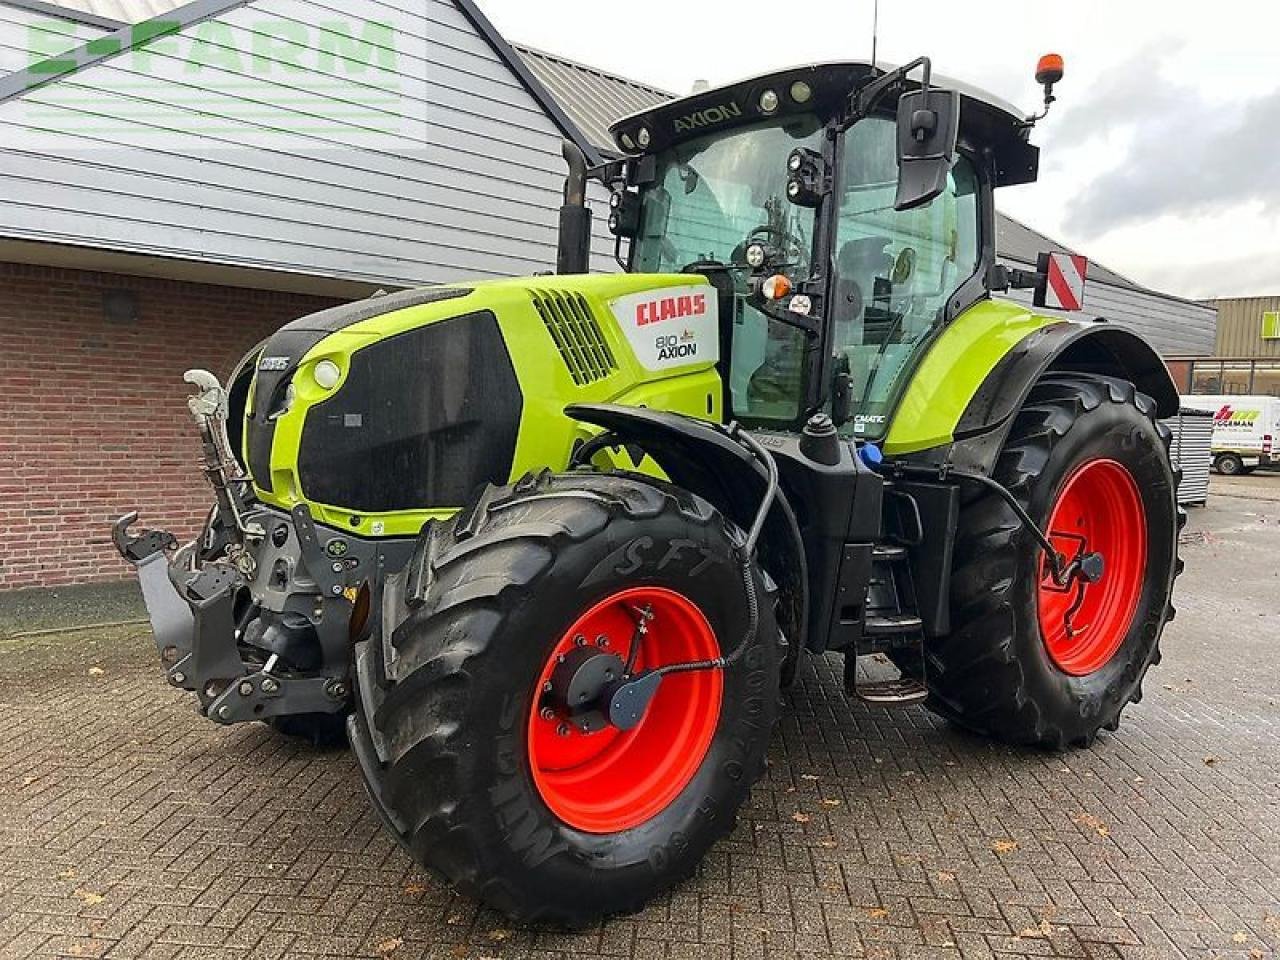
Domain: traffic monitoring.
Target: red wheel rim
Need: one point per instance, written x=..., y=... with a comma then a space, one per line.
x=614, y=780
x=1099, y=511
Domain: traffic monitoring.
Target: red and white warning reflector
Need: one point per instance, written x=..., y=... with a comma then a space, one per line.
x=1063, y=284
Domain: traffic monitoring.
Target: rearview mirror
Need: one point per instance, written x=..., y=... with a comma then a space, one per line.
x=928, y=127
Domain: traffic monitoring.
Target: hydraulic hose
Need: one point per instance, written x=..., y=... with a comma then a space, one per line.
x=745, y=553
x=1061, y=574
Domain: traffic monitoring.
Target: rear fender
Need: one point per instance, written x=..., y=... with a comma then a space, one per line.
x=699, y=457
x=1097, y=348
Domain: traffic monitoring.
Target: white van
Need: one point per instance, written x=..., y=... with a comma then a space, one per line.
x=1245, y=431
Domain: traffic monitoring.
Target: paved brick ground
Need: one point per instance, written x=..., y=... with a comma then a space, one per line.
x=131, y=828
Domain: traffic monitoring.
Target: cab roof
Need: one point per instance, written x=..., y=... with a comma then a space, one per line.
x=986, y=121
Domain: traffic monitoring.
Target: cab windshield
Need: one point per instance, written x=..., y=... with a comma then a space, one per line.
x=713, y=197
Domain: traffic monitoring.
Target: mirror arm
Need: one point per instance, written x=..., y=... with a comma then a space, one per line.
x=1002, y=278
x=869, y=96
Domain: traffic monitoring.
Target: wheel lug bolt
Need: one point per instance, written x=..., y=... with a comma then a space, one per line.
x=548, y=713
x=563, y=730
x=548, y=687
x=602, y=641
x=579, y=641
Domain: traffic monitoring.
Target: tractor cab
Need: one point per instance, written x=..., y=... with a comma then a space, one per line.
x=843, y=213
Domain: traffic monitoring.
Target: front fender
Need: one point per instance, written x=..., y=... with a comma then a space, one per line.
x=701, y=458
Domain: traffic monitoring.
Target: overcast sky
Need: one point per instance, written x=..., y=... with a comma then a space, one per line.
x=1161, y=158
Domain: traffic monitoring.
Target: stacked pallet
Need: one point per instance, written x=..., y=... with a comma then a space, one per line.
x=1192, y=453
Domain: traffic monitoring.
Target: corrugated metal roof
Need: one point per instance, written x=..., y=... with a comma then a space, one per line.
x=593, y=98
x=122, y=11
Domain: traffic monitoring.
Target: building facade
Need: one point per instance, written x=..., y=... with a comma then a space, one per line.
x=179, y=179
x=1246, y=354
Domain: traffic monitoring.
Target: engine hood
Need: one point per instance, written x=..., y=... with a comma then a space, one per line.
x=426, y=395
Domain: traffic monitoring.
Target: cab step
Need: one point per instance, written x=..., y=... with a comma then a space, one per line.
x=903, y=692
x=888, y=553
x=892, y=625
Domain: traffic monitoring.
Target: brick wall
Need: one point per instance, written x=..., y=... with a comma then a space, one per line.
x=93, y=417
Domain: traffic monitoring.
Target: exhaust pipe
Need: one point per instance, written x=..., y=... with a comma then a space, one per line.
x=574, y=253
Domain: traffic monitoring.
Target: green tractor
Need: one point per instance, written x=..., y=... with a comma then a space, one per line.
x=547, y=550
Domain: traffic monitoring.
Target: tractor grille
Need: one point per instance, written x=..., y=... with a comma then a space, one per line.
x=577, y=335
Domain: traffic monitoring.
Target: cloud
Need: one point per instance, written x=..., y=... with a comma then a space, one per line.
x=1180, y=154
x=1245, y=276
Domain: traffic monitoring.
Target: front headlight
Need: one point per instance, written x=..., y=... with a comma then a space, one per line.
x=326, y=374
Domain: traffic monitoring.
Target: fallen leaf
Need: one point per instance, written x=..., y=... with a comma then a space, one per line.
x=497, y=936
x=831, y=803
x=801, y=817
x=1093, y=823
x=88, y=896
x=68, y=874
x=1271, y=920
x=1210, y=761
x=946, y=876
x=1139, y=779
x=389, y=946
x=828, y=844
x=28, y=781
x=1043, y=929
x=809, y=776
x=1239, y=937
x=96, y=671
x=1005, y=846
x=1255, y=954
x=878, y=913
x=414, y=889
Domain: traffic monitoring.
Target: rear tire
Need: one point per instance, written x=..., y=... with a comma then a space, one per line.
x=447, y=729
x=1013, y=668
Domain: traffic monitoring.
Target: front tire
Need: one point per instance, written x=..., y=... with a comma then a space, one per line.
x=1029, y=662
x=489, y=788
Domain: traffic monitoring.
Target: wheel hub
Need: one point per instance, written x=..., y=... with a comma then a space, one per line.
x=581, y=684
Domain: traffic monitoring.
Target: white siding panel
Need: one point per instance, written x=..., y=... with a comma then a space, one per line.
x=268, y=155
x=27, y=37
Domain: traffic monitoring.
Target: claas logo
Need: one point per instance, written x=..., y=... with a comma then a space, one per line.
x=671, y=308
x=1229, y=416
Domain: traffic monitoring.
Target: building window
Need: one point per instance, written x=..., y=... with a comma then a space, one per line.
x=1271, y=325
x=1235, y=377
x=1206, y=378
x=1266, y=379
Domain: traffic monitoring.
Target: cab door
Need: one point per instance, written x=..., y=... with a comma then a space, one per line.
x=894, y=272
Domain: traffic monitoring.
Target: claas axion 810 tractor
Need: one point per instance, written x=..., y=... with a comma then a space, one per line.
x=549, y=548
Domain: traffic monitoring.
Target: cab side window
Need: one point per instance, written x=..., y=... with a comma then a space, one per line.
x=895, y=271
